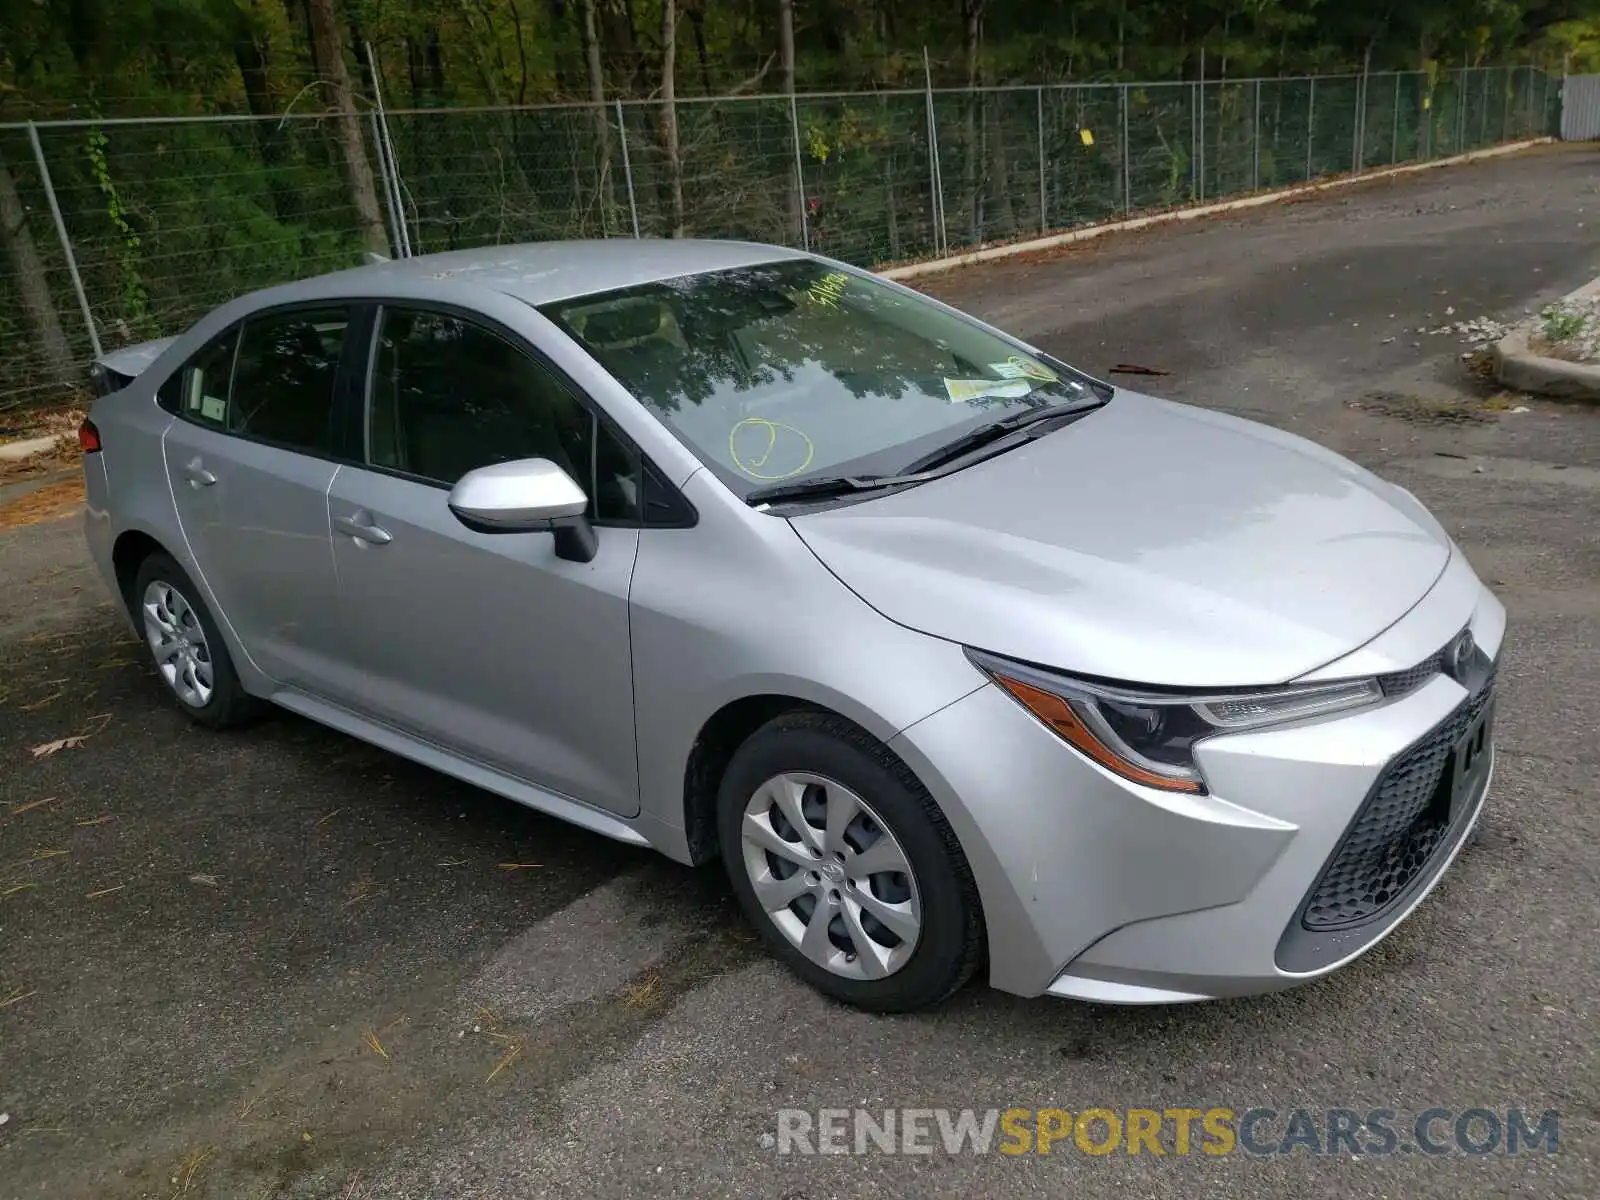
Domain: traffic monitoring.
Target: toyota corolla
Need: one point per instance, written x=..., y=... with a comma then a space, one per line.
x=957, y=657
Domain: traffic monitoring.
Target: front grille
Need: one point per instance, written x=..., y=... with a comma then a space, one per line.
x=1398, y=683
x=1397, y=830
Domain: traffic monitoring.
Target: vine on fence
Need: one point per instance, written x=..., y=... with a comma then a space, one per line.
x=135, y=296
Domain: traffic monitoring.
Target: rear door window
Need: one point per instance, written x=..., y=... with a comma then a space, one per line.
x=284, y=377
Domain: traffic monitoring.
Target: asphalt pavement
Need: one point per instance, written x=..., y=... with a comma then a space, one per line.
x=280, y=963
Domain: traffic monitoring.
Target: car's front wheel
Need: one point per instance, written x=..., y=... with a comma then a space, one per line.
x=186, y=647
x=846, y=865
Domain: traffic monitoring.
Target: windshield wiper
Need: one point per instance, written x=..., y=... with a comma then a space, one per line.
x=927, y=467
x=824, y=486
x=995, y=430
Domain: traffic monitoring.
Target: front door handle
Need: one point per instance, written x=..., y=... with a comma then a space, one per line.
x=361, y=527
x=197, y=475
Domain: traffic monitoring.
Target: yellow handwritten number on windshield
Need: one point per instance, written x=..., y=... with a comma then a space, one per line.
x=762, y=439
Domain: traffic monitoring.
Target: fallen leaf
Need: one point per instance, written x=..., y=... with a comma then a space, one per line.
x=511, y=1056
x=207, y=880
x=46, y=749
x=100, y=820
x=18, y=809
x=518, y=866
x=103, y=892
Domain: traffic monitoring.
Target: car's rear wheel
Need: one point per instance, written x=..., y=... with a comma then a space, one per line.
x=846, y=866
x=186, y=647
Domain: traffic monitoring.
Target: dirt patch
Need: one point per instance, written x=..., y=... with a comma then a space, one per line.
x=62, y=456
x=1429, y=410
x=47, y=503
x=43, y=423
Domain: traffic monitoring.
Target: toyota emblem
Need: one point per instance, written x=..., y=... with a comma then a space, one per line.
x=1458, y=661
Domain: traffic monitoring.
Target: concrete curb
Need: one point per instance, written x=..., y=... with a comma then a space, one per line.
x=1518, y=366
x=990, y=253
x=28, y=447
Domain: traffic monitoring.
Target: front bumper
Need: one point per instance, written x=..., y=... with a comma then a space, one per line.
x=1099, y=889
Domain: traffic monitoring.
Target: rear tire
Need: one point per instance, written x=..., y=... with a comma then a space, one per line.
x=872, y=902
x=186, y=646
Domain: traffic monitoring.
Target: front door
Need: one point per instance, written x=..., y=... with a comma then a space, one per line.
x=249, y=465
x=487, y=644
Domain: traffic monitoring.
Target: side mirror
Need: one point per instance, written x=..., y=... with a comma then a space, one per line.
x=527, y=495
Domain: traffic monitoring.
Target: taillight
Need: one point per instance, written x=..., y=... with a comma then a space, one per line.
x=88, y=437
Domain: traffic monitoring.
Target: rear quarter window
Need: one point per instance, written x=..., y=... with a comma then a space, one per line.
x=198, y=390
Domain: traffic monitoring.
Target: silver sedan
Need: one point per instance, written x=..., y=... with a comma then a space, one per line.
x=957, y=657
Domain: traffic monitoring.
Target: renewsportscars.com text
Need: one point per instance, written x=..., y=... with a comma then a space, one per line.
x=1258, y=1132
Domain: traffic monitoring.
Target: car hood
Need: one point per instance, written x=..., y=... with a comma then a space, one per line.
x=1150, y=542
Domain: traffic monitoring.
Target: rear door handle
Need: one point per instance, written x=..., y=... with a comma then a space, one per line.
x=197, y=475
x=360, y=526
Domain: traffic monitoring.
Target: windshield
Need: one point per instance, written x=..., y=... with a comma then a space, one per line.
x=795, y=369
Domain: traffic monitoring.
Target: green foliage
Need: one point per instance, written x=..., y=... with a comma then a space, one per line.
x=135, y=300
x=168, y=220
x=1560, y=324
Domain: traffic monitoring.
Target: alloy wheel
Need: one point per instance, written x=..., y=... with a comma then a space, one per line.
x=831, y=876
x=179, y=644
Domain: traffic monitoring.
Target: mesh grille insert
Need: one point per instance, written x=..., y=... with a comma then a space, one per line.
x=1397, y=830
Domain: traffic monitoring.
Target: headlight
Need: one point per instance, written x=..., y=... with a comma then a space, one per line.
x=1149, y=737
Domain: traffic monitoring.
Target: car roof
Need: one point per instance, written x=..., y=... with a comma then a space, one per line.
x=540, y=272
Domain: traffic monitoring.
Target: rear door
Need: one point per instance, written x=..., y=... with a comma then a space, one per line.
x=250, y=462
x=488, y=644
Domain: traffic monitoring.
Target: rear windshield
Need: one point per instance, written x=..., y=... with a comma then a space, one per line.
x=795, y=368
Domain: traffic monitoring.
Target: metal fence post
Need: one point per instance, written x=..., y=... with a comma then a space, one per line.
x=1127, y=176
x=1255, y=172
x=941, y=239
x=1427, y=118
x=1311, y=124
x=66, y=242
x=386, y=158
x=1394, y=143
x=799, y=175
x=1038, y=104
x=1461, y=110
x=1200, y=136
x=396, y=234
x=934, y=214
x=1533, y=128
x=1483, y=109
x=1359, y=135
x=627, y=169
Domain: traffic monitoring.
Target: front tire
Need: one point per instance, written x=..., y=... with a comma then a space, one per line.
x=846, y=866
x=186, y=646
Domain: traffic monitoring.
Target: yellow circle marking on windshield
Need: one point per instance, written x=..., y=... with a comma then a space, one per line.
x=754, y=465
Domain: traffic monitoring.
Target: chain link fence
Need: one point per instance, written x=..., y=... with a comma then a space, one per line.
x=120, y=231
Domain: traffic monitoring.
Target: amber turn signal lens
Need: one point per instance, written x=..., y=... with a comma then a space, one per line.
x=1058, y=715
